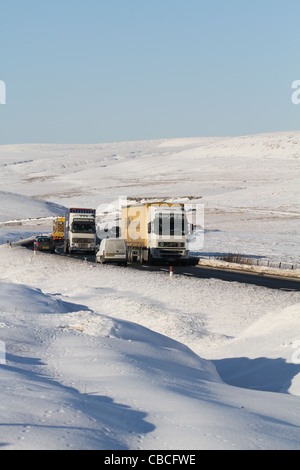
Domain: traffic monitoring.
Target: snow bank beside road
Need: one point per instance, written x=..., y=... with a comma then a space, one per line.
x=104, y=357
x=290, y=273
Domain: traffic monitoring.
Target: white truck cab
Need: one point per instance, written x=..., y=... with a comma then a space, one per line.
x=80, y=230
x=156, y=232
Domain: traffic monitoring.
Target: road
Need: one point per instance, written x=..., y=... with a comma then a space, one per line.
x=268, y=281
x=265, y=280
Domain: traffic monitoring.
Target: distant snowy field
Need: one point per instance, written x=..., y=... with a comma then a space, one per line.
x=249, y=185
x=104, y=357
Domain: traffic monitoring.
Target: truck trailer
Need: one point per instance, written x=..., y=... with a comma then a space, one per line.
x=80, y=231
x=156, y=233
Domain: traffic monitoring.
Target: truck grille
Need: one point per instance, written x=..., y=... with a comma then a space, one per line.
x=171, y=244
x=84, y=241
x=168, y=253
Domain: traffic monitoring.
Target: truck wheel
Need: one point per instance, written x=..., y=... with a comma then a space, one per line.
x=131, y=258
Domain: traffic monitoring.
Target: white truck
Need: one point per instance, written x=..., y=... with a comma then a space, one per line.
x=80, y=230
x=156, y=233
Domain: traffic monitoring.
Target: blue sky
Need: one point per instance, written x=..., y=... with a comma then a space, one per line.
x=102, y=71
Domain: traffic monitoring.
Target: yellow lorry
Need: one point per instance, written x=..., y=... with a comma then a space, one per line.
x=156, y=233
x=59, y=228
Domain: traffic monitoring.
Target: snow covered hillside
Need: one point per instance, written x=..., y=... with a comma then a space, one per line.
x=249, y=185
x=106, y=357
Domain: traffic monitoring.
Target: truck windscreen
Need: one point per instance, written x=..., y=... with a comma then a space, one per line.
x=170, y=224
x=83, y=227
